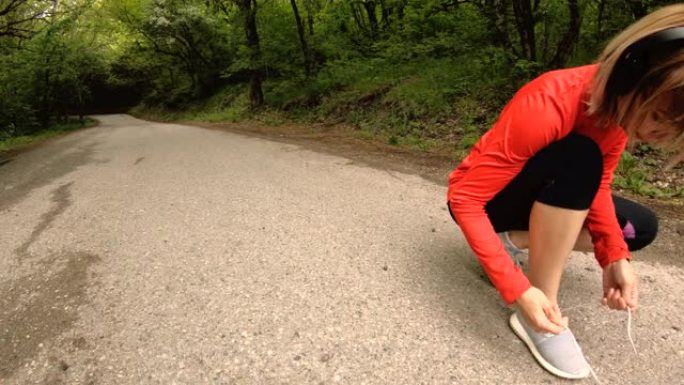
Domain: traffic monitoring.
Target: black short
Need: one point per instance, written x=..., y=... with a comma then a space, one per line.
x=566, y=174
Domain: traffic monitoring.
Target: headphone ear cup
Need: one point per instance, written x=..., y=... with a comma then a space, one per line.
x=626, y=74
x=632, y=66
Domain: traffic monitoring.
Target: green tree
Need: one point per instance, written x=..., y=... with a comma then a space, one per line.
x=45, y=76
x=20, y=18
x=248, y=13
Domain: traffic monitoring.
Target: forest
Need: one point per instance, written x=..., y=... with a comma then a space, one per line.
x=419, y=73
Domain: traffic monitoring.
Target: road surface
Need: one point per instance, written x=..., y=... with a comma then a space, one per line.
x=148, y=253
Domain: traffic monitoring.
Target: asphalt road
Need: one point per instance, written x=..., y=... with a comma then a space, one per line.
x=147, y=253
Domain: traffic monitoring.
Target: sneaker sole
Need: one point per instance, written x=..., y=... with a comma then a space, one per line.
x=519, y=330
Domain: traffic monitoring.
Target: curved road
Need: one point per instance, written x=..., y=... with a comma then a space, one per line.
x=146, y=253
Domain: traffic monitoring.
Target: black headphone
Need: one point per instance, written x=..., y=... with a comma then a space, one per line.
x=634, y=62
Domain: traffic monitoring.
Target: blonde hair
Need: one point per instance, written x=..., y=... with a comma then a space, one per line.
x=664, y=77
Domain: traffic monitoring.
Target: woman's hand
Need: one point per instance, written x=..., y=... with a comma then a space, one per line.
x=540, y=313
x=620, y=286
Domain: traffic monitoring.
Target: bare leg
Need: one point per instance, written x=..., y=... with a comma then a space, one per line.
x=520, y=239
x=553, y=233
x=584, y=242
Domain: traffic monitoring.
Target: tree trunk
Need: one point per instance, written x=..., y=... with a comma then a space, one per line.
x=46, y=108
x=400, y=14
x=46, y=103
x=358, y=17
x=249, y=10
x=302, y=38
x=497, y=21
x=524, y=20
x=569, y=40
x=386, y=13
x=392, y=13
x=309, y=17
x=370, y=5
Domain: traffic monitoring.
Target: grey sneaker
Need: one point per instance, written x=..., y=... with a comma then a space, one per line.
x=559, y=354
x=516, y=254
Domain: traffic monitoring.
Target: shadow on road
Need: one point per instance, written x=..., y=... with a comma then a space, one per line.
x=41, y=306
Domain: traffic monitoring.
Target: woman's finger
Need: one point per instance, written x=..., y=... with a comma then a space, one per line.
x=553, y=315
x=635, y=299
x=620, y=304
x=617, y=294
x=544, y=325
x=612, y=300
x=628, y=294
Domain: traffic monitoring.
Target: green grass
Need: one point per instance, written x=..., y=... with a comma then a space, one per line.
x=228, y=105
x=227, y=115
x=18, y=142
x=635, y=174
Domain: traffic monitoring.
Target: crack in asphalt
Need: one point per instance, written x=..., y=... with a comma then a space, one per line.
x=62, y=197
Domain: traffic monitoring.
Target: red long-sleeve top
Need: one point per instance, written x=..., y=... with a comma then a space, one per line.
x=543, y=111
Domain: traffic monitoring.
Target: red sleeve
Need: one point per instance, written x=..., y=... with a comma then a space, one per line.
x=530, y=122
x=609, y=243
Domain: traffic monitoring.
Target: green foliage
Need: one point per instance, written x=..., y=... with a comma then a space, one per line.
x=180, y=44
x=47, y=78
x=231, y=105
x=279, y=41
x=14, y=143
x=416, y=73
x=635, y=175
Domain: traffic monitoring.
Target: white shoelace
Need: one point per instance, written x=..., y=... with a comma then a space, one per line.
x=629, y=331
x=631, y=341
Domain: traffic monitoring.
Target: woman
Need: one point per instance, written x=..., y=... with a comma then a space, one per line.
x=540, y=179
